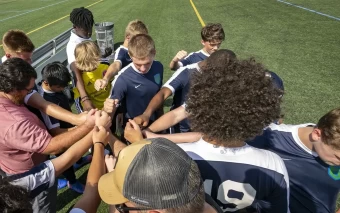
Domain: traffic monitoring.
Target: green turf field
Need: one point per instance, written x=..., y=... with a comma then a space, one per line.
x=300, y=46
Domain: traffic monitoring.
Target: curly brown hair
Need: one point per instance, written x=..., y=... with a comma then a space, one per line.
x=232, y=100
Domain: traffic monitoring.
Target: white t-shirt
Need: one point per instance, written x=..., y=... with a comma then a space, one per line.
x=71, y=46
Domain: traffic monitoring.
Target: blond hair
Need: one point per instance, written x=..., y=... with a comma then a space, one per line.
x=141, y=46
x=16, y=41
x=87, y=56
x=135, y=27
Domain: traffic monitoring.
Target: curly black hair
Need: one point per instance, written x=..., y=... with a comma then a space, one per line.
x=212, y=32
x=15, y=74
x=14, y=198
x=82, y=17
x=232, y=100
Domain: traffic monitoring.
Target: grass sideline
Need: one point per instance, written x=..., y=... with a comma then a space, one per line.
x=300, y=46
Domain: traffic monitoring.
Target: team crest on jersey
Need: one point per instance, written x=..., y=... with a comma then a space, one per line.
x=157, y=78
x=334, y=172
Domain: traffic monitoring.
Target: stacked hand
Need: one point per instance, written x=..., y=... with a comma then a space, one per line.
x=142, y=120
x=132, y=132
x=100, y=134
x=100, y=84
x=180, y=55
x=110, y=105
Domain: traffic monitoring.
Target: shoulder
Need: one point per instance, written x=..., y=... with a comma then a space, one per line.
x=157, y=64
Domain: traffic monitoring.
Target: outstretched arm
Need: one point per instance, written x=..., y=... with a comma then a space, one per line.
x=51, y=109
x=155, y=103
x=174, y=65
x=169, y=119
x=110, y=73
x=90, y=200
x=187, y=137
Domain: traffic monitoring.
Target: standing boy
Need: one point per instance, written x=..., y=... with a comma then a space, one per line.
x=121, y=56
x=82, y=20
x=137, y=83
x=212, y=37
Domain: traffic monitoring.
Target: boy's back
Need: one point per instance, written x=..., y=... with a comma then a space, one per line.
x=243, y=177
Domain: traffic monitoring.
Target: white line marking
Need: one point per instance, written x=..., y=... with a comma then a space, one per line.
x=313, y=11
x=40, y=8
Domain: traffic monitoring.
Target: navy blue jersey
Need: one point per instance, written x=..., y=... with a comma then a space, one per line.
x=245, y=178
x=122, y=55
x=314, y=186
x=192, y=58
x=135, y=90
x=60, y=99
x=179, y=84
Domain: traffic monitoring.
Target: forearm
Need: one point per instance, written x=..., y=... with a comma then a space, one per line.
x=157, y=101
x=115, y=144
x=187, y=137
x=79, y=80
x=63, y=141
x=90, y=200
x=73, y=154
x=168, y=119
x=58, y=131
x=112, y=70
x=51, y=109
x=174, y=65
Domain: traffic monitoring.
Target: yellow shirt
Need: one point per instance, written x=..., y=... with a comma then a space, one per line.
x=97, y=97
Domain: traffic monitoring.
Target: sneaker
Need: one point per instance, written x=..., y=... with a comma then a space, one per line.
x=62, y=183
x=85, y=160
x=77, y=187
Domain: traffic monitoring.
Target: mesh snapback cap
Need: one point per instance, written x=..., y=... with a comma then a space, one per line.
x=154, y=173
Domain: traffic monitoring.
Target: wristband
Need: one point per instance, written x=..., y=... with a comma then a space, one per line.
x=100, y=143
x=84, y=97
x=83, y=100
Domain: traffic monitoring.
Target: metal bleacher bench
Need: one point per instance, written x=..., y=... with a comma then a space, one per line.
x=53, y=50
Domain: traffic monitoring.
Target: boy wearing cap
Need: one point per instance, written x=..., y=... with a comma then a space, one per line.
x=212, y=37
x=139, y=82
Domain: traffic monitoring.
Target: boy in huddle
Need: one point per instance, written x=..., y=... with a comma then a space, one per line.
x=55, y=77
x=87, y=60
x=121, y=56
x=137, y=83
x=212, y=37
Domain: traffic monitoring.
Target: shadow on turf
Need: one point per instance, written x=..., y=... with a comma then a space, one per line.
x=67, y=196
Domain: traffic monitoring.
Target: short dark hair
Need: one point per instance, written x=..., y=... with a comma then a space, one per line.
x=212, y=32
x=82, y=17
x=232, y=101
x=14, y=198
x=15, y=74
x=56, y=73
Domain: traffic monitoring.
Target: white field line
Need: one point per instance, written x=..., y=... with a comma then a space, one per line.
x=310, y=10
x=40, y=8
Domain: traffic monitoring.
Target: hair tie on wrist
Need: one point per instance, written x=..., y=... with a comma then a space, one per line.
x=100, y=143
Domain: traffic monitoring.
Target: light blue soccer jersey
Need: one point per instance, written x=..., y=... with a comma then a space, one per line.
x=314, y=186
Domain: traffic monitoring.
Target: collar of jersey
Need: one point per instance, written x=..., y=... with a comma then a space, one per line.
x=136, y=70
x=204, y=53
x=299, y=142
x=74, y=37
x=226, y=150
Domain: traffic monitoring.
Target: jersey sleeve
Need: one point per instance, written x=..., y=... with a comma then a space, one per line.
x=119, y=88
x=178, y=80
x=33, y=137
x=37, y=179
x=187, y=60
x=119, y=56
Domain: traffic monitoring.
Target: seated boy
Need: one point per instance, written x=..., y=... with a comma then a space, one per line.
x=82, y=20
x=55, y=77
x=137, y=83
x=212, y=37
x=121, y=56
x=88, y=62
